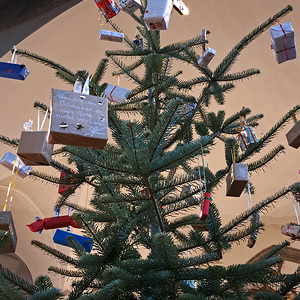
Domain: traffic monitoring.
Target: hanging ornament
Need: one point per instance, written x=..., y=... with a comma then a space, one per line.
x=283, y=42
x=111, y=36
x=34, y=149
x=180, y=7
x=8, y=160
x=246, y=135
x=157, y=14
x=293, y=230
x=130, y=6
x=61, y=237
x=108, y=8
x=139, y=41
x=206, y=57
x=66, y=187
x=53, y=223
x=78, y=119
x=7, y=224
x=116, y=93
x=12, y=69
x=237, y=178
x=293, y=136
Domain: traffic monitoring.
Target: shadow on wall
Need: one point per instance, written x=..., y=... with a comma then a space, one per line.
x=20, y=18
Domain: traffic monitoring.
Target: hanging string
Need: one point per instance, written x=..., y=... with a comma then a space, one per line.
x=14, y=56
x=295, y=208
x=250, y=204
x=43, y=122
x=38, y=118
x=12, y=179
x=204, y=179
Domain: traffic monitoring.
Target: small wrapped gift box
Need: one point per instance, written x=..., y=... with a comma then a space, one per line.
x=108, y=7
x=34, y=150
x=205, y=206
x=130, y=6
x=53, y=223
x=236, y=179
x=60, y=237
x=8, y=161
x=116, y=93
x=207, y=56
x=283, y=42
x=293, y=136
x=291, y=230
x=253, y=236
x=246, y=137
x=7, y=224
x=112, y=36
x=64, y=187
x=78, y=120
x=14, y=71
x=180, y=7
x=157, y=14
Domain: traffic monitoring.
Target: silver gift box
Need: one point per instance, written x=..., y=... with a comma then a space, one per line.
x=78, y=120
x=207, y=56
x=111, y=36
x=236, y=179
x=283, y=42
x=8, y=160
x=130, y=6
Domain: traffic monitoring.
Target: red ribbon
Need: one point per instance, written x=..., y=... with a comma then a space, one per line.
x=287, y=230
x=110, y=95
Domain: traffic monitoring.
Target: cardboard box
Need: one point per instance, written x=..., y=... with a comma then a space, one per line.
x=247, y=137
x=236, y=179
x=116, y=93
x=78, y=120
x=8, y=161
x=60, y=237
x=283, y=42
x=34, y=150
x=7, y=224
x=111, y=36
x=157, y=14
x=108, y=8
x=206, y=57
x=130, y=6
x=14, y=71
x=293, y=136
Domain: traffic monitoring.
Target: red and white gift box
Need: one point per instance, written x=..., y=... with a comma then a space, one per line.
x=157, y=14
x=206, y=57
x=112, y=36
x=205, y=206
x=283, y=42
x=130, y=6
x=116, y=93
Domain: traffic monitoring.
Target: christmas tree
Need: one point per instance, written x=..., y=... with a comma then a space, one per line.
x=151, y=178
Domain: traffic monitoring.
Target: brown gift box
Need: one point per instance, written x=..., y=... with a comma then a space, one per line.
x=78, y=120
x=34, y=150
x=7, y=224
x=236, y=179
x=293, y=136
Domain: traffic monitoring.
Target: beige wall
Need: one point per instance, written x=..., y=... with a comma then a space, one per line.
x=72, y=39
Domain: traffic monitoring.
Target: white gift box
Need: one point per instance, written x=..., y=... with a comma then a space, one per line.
x=180, y=7
x=130, y=6
x=112, y=36
x=157, y=14
x=283, y=42
x=206, y=57
x=8, y=161
x=116, y=93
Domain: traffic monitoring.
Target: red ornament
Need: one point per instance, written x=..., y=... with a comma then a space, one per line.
x=108, y=7
x=53, y=223
x=205, y=207
x=63, y=187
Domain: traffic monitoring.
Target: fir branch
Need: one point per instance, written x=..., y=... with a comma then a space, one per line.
x=65, y=273
x=10, y=142
x=53, y=252
x=100, y=71
x=45, y=61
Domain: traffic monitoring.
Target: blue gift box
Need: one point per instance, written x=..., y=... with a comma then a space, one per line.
x=60, y=237
x=8, y=160
x=14, y=71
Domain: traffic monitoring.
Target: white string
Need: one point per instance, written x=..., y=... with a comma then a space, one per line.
x=44, y=119
x=295, y=208
x=250, y=204
x=38, y=119
x=14, y=56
